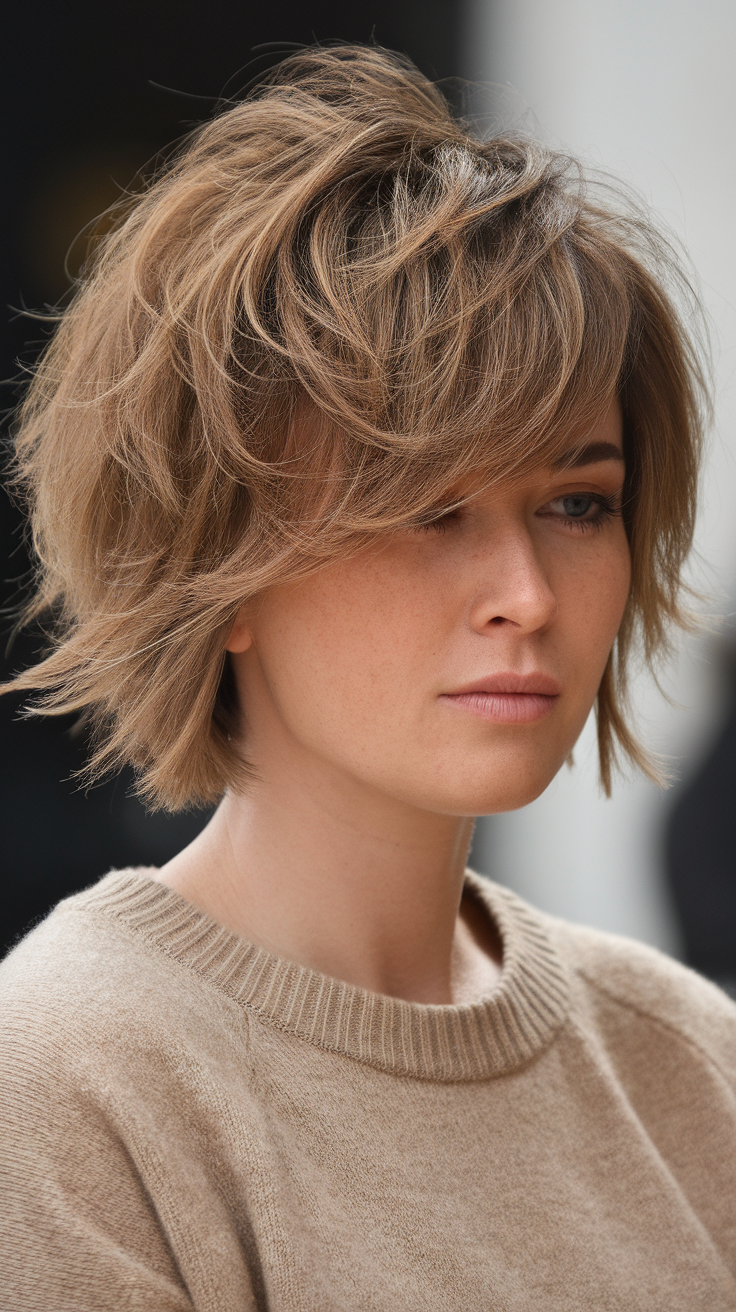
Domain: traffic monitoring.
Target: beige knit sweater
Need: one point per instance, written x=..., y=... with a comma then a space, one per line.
x=193, y=1123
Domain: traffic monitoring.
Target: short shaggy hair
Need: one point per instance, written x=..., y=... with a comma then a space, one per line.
x=332, y=305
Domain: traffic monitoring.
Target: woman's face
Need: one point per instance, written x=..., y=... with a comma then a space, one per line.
x=451, y=667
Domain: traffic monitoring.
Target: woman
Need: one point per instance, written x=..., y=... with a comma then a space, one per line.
x=362, y=456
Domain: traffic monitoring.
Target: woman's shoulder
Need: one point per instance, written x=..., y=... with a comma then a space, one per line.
x=639, y=993
x=89, y=987
x=111, y=1113
x=82, y=949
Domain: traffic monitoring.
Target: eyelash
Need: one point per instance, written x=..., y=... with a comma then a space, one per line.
x=607, y=509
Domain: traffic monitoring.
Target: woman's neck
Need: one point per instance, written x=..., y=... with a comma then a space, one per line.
x=316, y=868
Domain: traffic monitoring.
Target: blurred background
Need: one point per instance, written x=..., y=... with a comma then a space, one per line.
x=645, y=90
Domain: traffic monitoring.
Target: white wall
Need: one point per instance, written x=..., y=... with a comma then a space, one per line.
x=646, y=89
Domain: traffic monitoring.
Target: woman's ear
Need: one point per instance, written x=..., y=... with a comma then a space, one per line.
x=240, y=637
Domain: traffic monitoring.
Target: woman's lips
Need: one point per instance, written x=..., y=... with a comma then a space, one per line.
x=507, y=698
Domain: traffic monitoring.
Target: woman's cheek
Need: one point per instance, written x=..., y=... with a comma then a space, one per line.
x=593, y=601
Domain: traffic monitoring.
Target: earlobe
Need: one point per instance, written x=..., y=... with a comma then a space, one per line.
x=240, y=637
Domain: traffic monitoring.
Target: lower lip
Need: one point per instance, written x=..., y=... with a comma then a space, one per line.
x=503, y=707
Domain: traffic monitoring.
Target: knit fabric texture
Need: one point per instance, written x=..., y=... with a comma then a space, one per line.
x=192, y=1123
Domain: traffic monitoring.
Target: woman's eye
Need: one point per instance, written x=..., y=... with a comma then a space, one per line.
x=577, y=506
x=584, y=509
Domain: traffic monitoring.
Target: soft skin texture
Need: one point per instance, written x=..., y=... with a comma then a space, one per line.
x=371, y=767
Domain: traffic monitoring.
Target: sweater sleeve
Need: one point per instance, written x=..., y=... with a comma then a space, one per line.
x=80, y=1233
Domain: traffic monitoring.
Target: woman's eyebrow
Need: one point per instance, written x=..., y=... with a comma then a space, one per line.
x=589, y=455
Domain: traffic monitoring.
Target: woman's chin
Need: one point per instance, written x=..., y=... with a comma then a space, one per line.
x=483, y=795
x=503, y=776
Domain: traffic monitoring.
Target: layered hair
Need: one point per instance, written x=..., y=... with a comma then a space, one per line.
x=334, y=304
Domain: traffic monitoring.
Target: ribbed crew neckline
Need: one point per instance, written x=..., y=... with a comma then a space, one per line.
x=471, y=1041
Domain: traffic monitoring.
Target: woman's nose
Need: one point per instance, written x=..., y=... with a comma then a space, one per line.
x=514, y=589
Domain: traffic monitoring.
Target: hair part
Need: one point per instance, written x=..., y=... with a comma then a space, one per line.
x=332, y=306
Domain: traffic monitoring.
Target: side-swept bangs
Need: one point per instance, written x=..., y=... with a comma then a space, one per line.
x=332, y=307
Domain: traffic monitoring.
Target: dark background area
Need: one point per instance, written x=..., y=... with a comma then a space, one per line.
x=700, y=841
x=91, y=94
